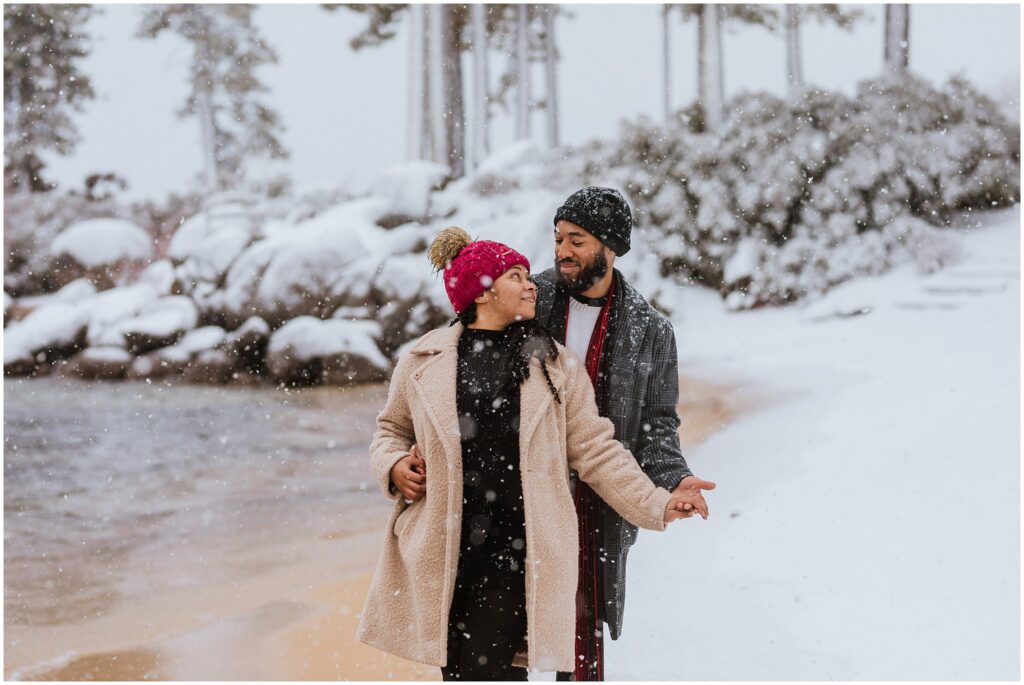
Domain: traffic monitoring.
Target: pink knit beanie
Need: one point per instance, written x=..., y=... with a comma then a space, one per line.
x=470, y=266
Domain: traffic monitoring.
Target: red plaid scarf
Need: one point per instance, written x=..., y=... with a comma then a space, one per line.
x=589, y=629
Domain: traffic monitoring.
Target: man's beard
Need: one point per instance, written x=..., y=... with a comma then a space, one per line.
x=587, y=275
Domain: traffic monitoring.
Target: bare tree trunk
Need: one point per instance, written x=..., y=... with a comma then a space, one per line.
x=897, y=38
x=414, y=123
x=710, y=66
x=551, y=73
x=204, y=105
x=522, y=74
x=435, y=32
x=794, y=64
x=481, y=145
x=427, y=142
x=666, y=62
x=454, y=114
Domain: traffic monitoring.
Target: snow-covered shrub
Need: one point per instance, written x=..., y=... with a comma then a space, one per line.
x=791, y=198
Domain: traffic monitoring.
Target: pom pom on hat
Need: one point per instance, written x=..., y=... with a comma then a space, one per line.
x=446, y=246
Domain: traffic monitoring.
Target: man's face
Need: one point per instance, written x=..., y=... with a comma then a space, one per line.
x=580, y=259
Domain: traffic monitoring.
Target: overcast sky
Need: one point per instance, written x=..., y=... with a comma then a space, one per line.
x=345, y=111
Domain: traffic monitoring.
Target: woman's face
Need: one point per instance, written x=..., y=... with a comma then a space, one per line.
x=511, y=298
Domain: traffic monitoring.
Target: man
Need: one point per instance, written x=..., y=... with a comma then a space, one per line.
x=630, y=351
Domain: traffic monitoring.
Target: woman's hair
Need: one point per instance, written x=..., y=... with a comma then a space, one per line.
x=523, y=340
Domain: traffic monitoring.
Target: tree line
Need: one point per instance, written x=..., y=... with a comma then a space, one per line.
x=449, y=111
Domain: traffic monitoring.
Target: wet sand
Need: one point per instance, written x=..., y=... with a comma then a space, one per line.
x=296, y=621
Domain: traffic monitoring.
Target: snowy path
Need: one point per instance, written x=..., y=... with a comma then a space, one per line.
x=867, y=523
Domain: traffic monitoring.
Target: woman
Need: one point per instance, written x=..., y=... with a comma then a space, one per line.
x=488, y=556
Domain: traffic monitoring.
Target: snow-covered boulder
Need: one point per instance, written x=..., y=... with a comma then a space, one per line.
x=205, y=246
x=308, y=350
x=246, y=346
x=75, y=291
x=164, y=322
x=200, y=339
x=181, y=357
x=311, y=269
x=98, y=249
x=510, y=156
x=406, y=189
x=110, y=310
x=159, y=275
x=210, y=366
x=159, y=363
x=55, y=331
x=99, y=363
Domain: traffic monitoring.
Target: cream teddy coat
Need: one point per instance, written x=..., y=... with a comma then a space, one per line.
x=406, y=611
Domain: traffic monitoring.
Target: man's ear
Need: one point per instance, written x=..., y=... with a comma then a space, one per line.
x=609, y=254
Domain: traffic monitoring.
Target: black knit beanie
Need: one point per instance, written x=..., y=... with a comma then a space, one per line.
x=603, y=213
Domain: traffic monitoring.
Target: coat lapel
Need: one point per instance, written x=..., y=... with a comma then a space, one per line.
x=632, y=318
x=435, y=388
x=535, y=400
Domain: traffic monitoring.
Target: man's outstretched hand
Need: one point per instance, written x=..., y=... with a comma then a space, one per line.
x=689, y=490
x=409, y=475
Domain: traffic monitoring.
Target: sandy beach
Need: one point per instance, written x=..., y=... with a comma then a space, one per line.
x=295, y=621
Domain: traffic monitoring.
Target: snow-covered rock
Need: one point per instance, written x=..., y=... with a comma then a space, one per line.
x=207, y=244
x=164, y=322
x=203, y=338
x=310, y=350
x=512, y=155
x=246, y=345
x=310, y=269
x=75, y=291
x=103, y=242
x=110, y=309
x=107, y=363
x=160, y=275
x=406, y=190
x=210, y=366
x=52, y=332
x=182, y=356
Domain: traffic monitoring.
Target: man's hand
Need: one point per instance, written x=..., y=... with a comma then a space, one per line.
x=689, y=489
x=409, y=475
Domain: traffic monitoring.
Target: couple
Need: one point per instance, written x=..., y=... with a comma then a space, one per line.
x=513, y=459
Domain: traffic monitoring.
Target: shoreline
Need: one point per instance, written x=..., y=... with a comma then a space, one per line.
x=293, y=622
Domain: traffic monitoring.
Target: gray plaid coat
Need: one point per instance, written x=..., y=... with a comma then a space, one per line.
x=638, y=391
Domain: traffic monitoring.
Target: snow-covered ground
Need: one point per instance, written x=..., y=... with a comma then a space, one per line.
x=866, y=523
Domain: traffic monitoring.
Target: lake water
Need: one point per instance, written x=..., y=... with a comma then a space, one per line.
x=117, y=490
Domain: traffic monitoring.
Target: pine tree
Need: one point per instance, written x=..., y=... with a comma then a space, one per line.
x=548, y=14
x=897, y=38
x=226, y=51
x=795, y=15
x=43, y=47
x=441, y=129
x=710, y=63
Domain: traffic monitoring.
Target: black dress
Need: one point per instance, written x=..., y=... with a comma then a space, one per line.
x=487, y=621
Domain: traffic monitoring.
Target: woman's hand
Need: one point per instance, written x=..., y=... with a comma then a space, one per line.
x=409, y=476
x=683, y=507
